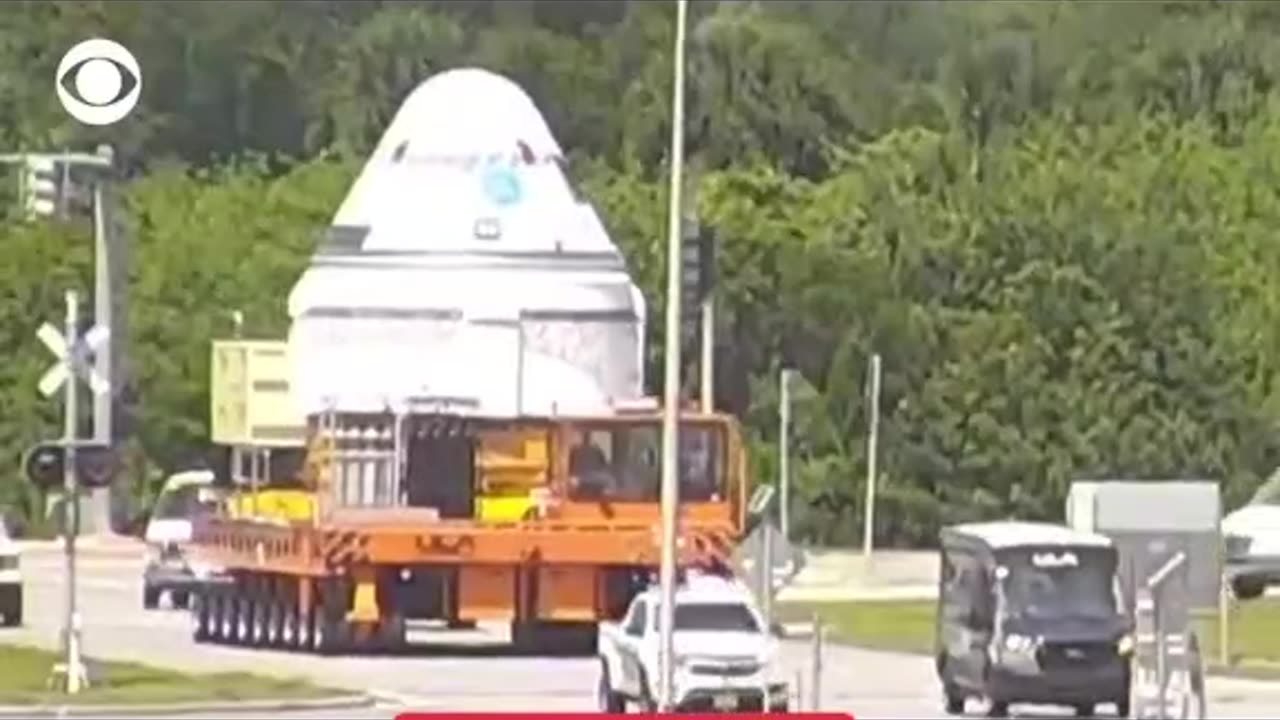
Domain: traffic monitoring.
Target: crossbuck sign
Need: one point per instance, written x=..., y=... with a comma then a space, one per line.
x=79, y=351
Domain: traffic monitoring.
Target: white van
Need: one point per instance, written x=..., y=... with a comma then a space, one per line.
x=185, y=497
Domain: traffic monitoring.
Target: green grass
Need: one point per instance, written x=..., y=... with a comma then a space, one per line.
x=908, y=626
x=24, y=680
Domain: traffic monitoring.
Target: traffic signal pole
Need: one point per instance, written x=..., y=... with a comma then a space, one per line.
x=71, y=510
x=106, y=276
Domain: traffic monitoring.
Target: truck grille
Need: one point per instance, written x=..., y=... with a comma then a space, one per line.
x=704, y=703
x=725, y=669
x=1237, y=546
x=1065, y=655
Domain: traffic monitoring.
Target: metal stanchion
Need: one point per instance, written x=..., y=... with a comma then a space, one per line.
x=1224, y=622
x=815, y=682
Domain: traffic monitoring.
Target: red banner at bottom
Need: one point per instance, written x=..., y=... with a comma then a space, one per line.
x=605, y=716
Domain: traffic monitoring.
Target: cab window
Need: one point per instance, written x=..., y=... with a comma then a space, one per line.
x=623, y=463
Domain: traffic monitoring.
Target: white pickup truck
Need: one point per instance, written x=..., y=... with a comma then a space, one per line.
x=725, y=656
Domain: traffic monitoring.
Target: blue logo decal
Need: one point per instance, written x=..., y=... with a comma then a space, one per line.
x=502, y=185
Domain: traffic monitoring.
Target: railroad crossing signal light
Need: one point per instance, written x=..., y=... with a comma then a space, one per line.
x=42, y=186
x=45, y=466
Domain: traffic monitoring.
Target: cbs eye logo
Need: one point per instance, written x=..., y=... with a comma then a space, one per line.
x=98, y=82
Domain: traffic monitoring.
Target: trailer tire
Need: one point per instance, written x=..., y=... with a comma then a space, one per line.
x=199, y=617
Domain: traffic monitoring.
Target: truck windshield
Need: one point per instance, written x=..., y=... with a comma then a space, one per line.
x=182, y=503
x=715, y=617
x=1053, y=590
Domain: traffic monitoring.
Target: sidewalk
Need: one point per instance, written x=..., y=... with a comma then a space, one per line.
x=836, y=575
x=114, y=546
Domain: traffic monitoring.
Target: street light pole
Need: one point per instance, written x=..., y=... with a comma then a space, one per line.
x=671, y=396
x=873, y=442
x=104, y=292
x=784, y=453
x=103, y=315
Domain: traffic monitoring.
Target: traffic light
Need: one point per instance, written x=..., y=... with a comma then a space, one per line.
x=45, y=465
x=697, y=276
x=42, y=186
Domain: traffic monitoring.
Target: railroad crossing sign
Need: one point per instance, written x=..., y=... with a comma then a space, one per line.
x=80, y=350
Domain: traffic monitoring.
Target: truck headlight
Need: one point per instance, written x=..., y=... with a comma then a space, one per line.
x=1237, y=546
x=1019, y=644
x=1124, y=646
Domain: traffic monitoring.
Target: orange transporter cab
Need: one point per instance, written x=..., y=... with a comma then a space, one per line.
x=551, y=524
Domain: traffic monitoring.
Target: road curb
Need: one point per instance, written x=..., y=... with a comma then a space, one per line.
x=337, y=702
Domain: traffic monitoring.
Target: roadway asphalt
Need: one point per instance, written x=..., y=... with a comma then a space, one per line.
x=866, y=683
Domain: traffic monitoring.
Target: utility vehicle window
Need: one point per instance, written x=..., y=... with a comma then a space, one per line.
x=183, y=503
x=714, y=617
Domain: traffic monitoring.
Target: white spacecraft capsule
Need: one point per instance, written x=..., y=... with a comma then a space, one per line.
x=463, y=274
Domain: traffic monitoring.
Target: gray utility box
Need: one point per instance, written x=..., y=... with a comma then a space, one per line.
x=1152, y=520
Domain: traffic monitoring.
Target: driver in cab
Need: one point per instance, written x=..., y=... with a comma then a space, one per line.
x=589, y=468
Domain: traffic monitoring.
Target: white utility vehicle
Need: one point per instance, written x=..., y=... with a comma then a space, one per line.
x=725, y=655
x=1251, y=535
x=185, y=496
x=10, y=579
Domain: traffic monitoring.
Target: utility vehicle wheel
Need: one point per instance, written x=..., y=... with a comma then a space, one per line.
x=1084, y=710
x=150, y=598
x=953, y=701
x=1245, y=588
x=181, y=599
x=1122, y=708
x=998, y=709
x=607, y=700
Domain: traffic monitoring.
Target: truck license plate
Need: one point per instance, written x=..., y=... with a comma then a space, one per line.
x=724, y=701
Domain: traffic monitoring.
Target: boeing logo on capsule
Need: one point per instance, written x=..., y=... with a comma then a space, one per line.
x=502, y=185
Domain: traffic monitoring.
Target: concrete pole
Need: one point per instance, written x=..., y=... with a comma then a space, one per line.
x=671, y=397
x=707, y=383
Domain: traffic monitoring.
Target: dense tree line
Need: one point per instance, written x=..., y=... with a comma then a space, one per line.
x=1051, y=219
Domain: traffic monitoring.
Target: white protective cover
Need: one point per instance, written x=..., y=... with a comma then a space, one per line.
x=482, y=284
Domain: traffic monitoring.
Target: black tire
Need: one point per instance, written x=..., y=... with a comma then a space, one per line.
x=181, y=599
x=199, y=617
x=998, y=709
x=607, y=700
x=647, y=704
x=953, y=701
x=1122, y=708
x=1084, y=710
x=1247, y=588
x=150, y=597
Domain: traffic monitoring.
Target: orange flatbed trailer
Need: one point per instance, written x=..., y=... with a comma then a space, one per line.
x=350, y=578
